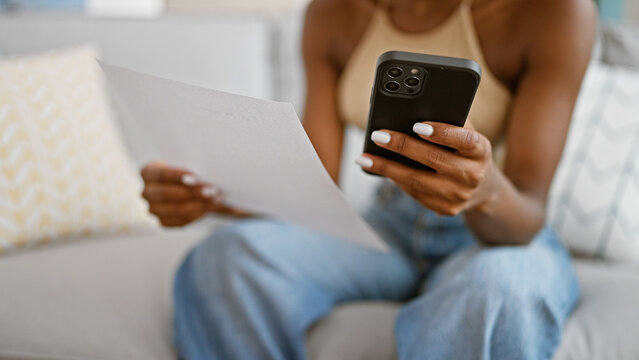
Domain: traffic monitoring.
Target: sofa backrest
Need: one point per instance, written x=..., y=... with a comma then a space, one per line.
x=229, y=52
x=246, y=53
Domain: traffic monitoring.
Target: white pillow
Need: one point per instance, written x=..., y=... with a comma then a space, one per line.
x=594, y=201
x=63, y=169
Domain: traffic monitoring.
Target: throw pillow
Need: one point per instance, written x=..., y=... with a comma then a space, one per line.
x=63, y=169
x=594, y=201
x=620, y=44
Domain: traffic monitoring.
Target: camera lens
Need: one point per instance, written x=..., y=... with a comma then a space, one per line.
x=411, y=81
x=391, y=86
x=395, y=72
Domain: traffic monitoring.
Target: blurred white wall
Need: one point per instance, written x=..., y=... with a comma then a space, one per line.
x=124, y=8
x=268, y=5
x=632, y=10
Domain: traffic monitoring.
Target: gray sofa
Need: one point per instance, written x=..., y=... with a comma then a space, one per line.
x=109, y=297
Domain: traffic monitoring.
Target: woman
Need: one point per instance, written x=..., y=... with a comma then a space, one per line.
x=483, y=277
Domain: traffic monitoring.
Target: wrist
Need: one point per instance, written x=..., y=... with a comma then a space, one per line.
x=489, y=192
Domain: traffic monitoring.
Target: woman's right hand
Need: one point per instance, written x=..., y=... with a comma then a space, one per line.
x=177, y=197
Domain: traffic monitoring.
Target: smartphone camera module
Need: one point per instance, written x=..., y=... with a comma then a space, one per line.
x=411, y=81
x=401, y=80
x=391, y=86
x=395, y=72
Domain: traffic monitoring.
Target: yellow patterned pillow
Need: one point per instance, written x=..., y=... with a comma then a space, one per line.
x=63, y=169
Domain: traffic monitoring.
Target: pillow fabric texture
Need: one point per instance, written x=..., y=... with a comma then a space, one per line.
x=64, y=171
x=620, y=44
x=594, y=200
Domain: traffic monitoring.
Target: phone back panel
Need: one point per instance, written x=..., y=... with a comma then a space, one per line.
x=446, y=95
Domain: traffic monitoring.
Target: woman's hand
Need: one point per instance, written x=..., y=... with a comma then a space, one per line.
x=462, y=179
x=177, y=197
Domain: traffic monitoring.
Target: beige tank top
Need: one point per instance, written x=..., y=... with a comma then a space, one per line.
x=455, y=37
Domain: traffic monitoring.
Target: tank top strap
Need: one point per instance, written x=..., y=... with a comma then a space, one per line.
x=469, y=23
x=380, y=14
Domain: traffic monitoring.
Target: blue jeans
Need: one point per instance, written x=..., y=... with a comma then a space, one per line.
x=251, y=289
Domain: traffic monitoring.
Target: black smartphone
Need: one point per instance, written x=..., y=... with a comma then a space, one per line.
x=412, y=87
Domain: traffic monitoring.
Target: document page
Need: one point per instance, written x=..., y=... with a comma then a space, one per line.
x=255, y=150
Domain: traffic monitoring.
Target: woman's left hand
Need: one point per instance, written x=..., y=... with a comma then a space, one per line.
x=462, y=179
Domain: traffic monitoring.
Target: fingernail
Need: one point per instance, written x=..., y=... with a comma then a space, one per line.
x=189, y=180
x=210, y=192
x=423, y=129
x=381, y=137
x=364, y=161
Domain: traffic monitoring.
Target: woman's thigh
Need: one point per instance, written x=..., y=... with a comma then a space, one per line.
x=251, y=289
x=279, y=256
x=541, y=267
x=501, y=302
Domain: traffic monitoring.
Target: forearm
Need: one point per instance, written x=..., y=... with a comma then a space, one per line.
x=326, y=137
x=509, y=216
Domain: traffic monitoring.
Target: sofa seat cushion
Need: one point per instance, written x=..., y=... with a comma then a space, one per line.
x=606, y=322
x=99, y=298
x=604, y=325
x=110, y=298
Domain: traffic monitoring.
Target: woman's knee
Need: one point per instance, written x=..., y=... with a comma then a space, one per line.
x=236, y=250
x=507, y=271
x=252, y=265
x=235, y=241
x=494, y=303
x=529, y=278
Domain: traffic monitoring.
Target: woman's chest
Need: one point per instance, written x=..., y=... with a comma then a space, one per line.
x=499, y=38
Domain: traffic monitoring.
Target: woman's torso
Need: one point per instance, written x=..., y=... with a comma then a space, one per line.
x=456, y=36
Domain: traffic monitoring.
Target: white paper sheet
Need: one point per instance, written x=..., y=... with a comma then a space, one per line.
x=255, y=150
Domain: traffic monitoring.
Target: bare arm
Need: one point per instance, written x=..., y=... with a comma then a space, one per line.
x=556, y=57
x=321, y=119
x=177, y=202
x=504, y=207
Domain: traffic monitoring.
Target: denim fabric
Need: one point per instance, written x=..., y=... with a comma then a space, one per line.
x=251, y=289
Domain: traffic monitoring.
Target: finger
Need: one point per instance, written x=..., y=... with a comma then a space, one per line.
x=399, y=173
x=466, y=140
x=441, y=160
x=160, y=172
x=211, y=193
x=240, y=213
x=438, y=187
x=441, y=206
x=419, y=183
x=163, y=192
x=185, y=210
x=218, y=206
x=178, y=221
x=173, y=221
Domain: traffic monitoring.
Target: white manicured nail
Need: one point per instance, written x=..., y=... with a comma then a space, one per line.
x=364, y=161
x=423, y=129
x=381, y=137
x=210, y=192
x=189, y=180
